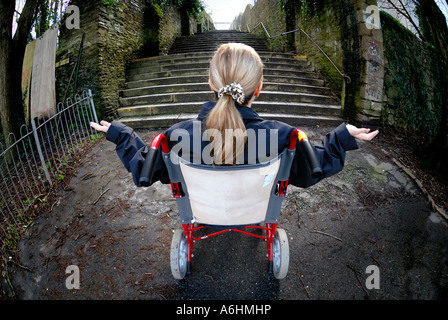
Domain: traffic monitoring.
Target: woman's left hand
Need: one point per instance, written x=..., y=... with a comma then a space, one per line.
x=361, y=133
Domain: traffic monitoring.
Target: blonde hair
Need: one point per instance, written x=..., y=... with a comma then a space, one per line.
x=232, y=62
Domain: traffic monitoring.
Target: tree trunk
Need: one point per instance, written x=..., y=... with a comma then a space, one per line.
x=11, y=109
x=12, y=50
x=6, y=50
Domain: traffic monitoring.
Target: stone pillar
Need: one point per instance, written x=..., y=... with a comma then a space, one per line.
x=369, y=100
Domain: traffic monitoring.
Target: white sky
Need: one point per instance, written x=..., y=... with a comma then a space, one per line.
x=225, y=10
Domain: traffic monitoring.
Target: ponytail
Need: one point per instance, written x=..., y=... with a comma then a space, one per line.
x=236, y=70
x=227, y=132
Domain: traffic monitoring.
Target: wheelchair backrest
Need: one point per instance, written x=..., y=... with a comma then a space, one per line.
x=229, y=195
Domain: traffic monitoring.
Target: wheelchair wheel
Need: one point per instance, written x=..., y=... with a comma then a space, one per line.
x=280, y=250
x=178, y=254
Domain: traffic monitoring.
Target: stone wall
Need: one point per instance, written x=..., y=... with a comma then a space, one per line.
x=67, y=54
x=119, y=40
x=269, y=12
x=170, y=28
x=341, y=29
x=333, y=27
x=412, y=80
x=113, y=36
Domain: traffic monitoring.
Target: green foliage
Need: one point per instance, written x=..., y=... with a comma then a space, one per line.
x=112, y=3
x=191, y=7
x=307, y=8
x=406, y=75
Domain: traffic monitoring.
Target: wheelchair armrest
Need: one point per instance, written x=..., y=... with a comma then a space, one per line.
x=307, y=149
x=151, y=156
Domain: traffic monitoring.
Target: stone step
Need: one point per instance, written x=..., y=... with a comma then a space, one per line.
x=259, y=106
x=200, y=54
x=287, y=61
x=165, y=121
x=210, y=42
x=161, y=91
x=204, y=78
x=204, y=71
x=204, y=86
x=205, y=65
x=272, y=96
x=211, y=48
x=214, y=44
x=185, y=41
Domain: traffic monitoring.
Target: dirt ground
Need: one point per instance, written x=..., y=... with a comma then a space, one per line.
x=118, y=236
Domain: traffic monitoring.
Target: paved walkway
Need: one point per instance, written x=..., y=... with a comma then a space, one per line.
x=370, y=214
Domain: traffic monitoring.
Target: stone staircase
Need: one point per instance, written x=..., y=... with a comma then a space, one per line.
x=163, y=90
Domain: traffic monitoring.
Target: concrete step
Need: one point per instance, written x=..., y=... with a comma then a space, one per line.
x=316, y=82
x=173, y=97
x=161, y=91
x=205, y=65
x=170, y=63
x=296, y=108
x=213, y=45
x=165, y=121
x=201, y=54
x=209, y=41
x=204, y=71
x=167, y=81
x=185, y=59
x=204, y=86
x=199, y=43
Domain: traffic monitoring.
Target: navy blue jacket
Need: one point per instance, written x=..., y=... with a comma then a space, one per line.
x=132, y=150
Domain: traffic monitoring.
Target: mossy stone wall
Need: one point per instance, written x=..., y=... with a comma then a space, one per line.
x=412, y=81
x=339, y=28
x=114, y=36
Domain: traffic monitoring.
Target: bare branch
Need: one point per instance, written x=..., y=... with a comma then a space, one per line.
x=403, y=11
x=26, y=19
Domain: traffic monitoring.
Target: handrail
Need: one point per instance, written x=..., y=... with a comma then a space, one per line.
x=309, y=37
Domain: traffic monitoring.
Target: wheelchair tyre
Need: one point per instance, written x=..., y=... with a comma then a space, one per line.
x=280, y=249
x=179, y=254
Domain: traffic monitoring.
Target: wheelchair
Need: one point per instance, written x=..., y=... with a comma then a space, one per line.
x=234, y=198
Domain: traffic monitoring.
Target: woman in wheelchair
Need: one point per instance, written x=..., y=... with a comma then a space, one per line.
x=236, y=78
x=227, y=133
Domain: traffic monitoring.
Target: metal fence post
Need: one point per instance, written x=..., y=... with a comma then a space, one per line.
x=39, y=150
x=93, y=106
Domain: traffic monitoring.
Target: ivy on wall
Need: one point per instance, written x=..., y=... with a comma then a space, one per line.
x=412, y=80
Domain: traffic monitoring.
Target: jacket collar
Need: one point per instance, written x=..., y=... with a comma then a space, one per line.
x=246, y=112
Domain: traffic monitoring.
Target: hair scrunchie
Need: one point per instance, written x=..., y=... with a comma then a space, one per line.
x=235, y=90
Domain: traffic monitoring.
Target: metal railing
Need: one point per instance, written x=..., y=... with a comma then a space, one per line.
x=31, y=164
x=343, y=75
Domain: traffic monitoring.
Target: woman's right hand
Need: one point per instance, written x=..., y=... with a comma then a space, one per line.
x=103, y=126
